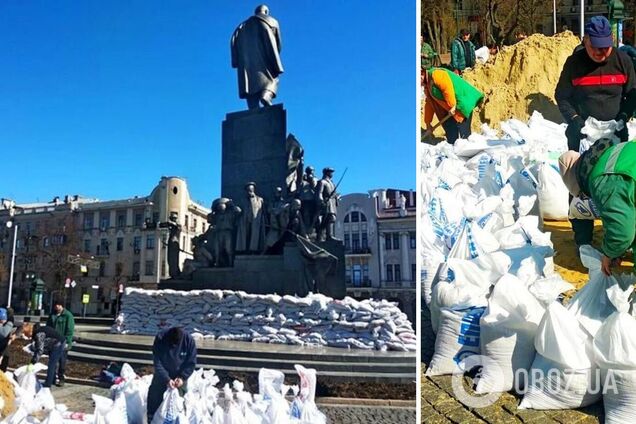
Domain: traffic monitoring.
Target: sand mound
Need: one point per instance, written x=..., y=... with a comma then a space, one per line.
x=522, y=79
x=8, y=396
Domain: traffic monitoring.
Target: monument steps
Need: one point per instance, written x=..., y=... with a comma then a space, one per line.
x=394, y=367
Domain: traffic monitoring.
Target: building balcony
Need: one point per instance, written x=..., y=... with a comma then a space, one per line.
x=359, y=251
x=364, y=282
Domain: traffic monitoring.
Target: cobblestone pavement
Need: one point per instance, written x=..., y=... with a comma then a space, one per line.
x=78, y=399
x=439, y=404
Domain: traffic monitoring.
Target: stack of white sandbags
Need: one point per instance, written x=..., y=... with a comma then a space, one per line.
x=489, y=283
x=228, y=315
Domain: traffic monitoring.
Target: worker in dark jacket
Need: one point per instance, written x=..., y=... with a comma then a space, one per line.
x=7, y=335
x=596, y=81
x=63, y=322
x=174, y=354
x=46, y=341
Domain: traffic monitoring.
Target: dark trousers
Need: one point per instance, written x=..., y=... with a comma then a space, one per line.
x=4, y=352
x=583, y=228
x=54, y=360
x=62, y=368
x=455, y=130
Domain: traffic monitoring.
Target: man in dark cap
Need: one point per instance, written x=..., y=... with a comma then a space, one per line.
x=256, y=56
x=174, y=354
x=596, y=81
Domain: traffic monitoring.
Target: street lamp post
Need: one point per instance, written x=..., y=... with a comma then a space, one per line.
x=15, y=238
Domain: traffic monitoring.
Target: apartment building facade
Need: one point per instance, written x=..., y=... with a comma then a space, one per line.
x=80, y=246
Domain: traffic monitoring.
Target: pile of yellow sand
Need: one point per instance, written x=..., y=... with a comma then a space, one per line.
x=8, y=396
x=521, y=79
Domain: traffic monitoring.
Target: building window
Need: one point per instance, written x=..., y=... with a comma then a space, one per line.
x=388, y=244
x=194, y=225
x=355, y=217
x=355, y=241
x=356, y=275
x=389, y=272
x=187, y=221
x=365, y=241
x=137, y=244
x=102, y=268
x=104, y=221
x=87, y=246
x=139, y=219
x=102, y=249
x=120, y=244
x=121, y=219
x=155, y=217
x=150, y=242
x=396, y=272
x=88, y=221
x=150, y=268
x=396, y=241
x=412, y=242
x=135, y=270
x=347, y=218
x=413, y=272
x=347, y=242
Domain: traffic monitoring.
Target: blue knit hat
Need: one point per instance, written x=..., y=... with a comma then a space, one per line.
x=600, y=32
x=3, y=314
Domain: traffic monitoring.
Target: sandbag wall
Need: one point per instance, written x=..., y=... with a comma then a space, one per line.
x=228, y=315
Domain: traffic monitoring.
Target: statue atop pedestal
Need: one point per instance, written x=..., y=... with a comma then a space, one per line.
x=256, y=56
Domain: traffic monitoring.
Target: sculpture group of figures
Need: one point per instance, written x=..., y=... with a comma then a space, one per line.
x=253, y=226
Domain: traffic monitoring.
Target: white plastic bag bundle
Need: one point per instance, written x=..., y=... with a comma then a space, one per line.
x=563, y=375
x=507, y=331
x=615, y=353
x=171, y=410
x=457, y=338
x=135, y=392
x=552, y=193
x=594, y=130
x=108, y=411
x=306, y=410
x=590, y=305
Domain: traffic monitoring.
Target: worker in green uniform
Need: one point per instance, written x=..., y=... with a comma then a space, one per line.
x=611, y=184
x=62, y=321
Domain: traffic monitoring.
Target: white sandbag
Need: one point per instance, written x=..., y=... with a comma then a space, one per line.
x=563, y=375
x=615, y=354
x=594, y=130
x=457, y=338
x=171, y=409
x=590, y=305
x=482, y=54
x=552, y=193
x=507, y=331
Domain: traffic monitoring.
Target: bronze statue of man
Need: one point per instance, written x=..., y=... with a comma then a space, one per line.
x=256, y=49
x=327, y=200
x=223, y=219
x=250, y=237
x=308, y=200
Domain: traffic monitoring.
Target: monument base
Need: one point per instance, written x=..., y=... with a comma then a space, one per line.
x=265, y=274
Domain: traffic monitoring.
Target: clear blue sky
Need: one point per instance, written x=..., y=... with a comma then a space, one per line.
x=102, y=98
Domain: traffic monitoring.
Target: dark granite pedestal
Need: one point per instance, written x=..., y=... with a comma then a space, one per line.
x=265, y=274
x=254, y=150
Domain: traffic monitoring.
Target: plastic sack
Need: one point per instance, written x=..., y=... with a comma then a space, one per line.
x=615, y=353
x=552, y=193
x=171, y=409
x=54, y=417
x=305, y=408
x=562, y=374
x=482, y=54
x=270, y=381
x=27, y=378
x=457, y=338
x=507, y=331
x=594, y=130
x=108, y=411
x=590, y=305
